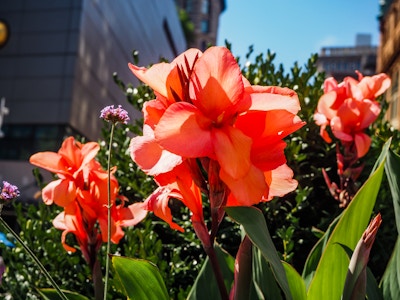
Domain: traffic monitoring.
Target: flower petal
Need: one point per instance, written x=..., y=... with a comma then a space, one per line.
x=216, y=83
x=133, y=214
x=183, y=130
x=363, y=142
x=247, y=190
x=157, y=202
x=62, y=192
x=280, y=182
x=49, y=161
x=150, y=156
x=266, y=98
x=232, y=149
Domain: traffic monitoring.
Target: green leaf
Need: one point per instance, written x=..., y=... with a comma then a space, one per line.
x=140, y=279
x=205, y=286
x=265, y=285
x=390, y=283
x=392, y=168
x=254, y=224
x=330, y=275
x=315, y=254
x=51, y=294
x=296, y=282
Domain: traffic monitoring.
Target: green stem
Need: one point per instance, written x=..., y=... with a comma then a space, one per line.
x=109, y=213
x=33, y=256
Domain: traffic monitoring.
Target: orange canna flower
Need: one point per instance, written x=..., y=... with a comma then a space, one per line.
x=81, y=189
x=349, y=108
x=206, y=109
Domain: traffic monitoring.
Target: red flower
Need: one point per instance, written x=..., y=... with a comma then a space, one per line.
x=206, y=110
x=349, y=108
x=82, y=191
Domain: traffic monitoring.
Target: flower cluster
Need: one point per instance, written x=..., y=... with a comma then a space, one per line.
x=114, y=115
x=349, y=108
x=81, y=189
x=210, y=131
x=8, y=192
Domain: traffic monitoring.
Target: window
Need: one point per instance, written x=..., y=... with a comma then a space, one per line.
x=21, y=141
x=204, y=26
x=189, y=5
x=205, y=7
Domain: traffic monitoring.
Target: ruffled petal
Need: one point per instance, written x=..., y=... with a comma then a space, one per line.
x=71, y=151
x=61, y=192
x=363, y=143
x=49, y=161
x=280, y=182
x=265, y=98
x=132, y=214
x=157, y=202
x=247, y=190
x=232, y=149
x=183, y=130
x=164, y=77
x=216, y=83
x=150, y=156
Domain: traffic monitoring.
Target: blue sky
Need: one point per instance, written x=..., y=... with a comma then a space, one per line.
x=294, y=29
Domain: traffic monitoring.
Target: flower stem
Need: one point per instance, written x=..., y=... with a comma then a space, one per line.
x=109, y=213
x=33, y=256
x=217, y=272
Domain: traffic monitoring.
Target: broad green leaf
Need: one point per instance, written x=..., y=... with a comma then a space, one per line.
x=265, y=285
x=255, y=226
x=392, y=168
x=330, y=275
x=315, y=254
x=140, y=279
x=390, y=283
x=296, y=282
x=51, y=294
x=205, y=286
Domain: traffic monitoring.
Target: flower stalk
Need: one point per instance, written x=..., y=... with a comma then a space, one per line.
x=114, y=116
x=109, y=204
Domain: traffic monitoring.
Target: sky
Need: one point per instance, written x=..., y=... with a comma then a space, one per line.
x=294, y=29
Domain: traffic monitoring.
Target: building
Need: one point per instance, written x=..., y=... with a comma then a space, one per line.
x=389, y=55
x=204, y=14
x=57, y=60
x=340, y=62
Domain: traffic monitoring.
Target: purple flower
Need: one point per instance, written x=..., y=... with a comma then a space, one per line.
x=9, y=192
x=114, y=115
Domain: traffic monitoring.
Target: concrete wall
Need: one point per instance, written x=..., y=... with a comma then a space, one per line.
x=110, y=31
x=56, y=68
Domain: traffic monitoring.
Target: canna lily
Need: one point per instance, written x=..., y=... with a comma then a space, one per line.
x=81, y=189
x=210, y=132
x=205, y=108
x=349, y=108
